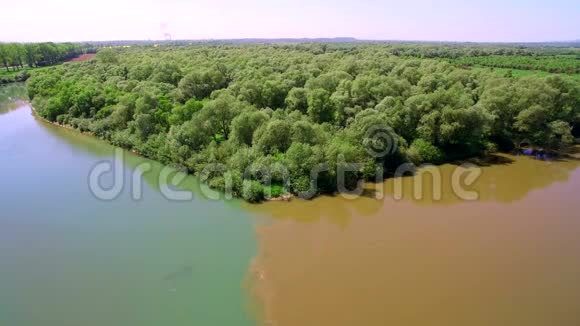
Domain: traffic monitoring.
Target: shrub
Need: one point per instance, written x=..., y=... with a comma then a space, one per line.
x=22, y=76
x=422, y=151
x=123, y=139
x=253, y=191
x=491, y=147
x=274, y=190
x=218, y=183
x=301, y=184
x=237, y=182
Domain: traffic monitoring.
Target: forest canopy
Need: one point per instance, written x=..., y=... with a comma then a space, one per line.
x=252, y=108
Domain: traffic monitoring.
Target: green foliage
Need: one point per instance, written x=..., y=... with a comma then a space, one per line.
x=108, y=56
x=549, y=63
x=185, y=112
x=319, y=107
x=274, y=190
x=245, y=124
x=200, y=85
x=252, y=191
x=422, y=151
x=14, y=57
x=297, y=100
x=254, y=108
x=306, y=132
x=274, y=137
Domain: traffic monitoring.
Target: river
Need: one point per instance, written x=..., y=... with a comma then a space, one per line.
x=510, y=257
x=69, y=258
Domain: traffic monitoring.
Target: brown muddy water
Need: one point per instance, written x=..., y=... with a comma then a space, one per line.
x=511, y=257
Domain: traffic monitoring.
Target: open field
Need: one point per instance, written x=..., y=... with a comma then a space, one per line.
x=83, y=57
x=12, y=73
x=569, y=63
x=523, y=73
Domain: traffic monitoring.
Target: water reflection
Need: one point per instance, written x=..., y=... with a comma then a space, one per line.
x=11, y=97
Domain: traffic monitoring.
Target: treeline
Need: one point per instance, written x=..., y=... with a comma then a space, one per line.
x=432, y=51
x=255, y=108
x=460, y=50
x=525, y=57
x=552, y=64
x=16, y=55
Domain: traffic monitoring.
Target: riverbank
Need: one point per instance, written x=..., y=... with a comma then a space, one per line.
x=54, y=123
x=68, y=127
x=19, y=75
x=487, y=160
x=283, y=197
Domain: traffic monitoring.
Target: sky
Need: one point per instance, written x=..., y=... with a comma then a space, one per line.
x=427, y=20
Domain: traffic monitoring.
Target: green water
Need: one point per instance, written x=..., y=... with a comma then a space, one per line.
x=68, y=258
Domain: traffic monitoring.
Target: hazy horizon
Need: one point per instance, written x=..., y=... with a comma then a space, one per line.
x=417, y=20
x=241, y=39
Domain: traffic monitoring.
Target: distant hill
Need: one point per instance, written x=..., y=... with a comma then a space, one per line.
x=555, y=44
x=229, y=41
x=291, y=40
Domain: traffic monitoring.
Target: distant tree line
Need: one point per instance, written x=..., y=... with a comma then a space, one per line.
x=526, y=57
x=553, y=64
x=458, y=50
x=14, y=56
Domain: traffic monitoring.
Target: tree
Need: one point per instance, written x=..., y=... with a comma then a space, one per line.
x=146, y=103
x=194, y=134
x=244, y=126
x=274, y=93
x=167, y=72
x=144, y=125
x=108, y=56
x=328, y=82
x=307, y=133
x=32, y=55
x=301, y=159
x=319, y=108
x=200, y=84
x=220, y=112
x=422, y=151
x=273, y=137
x=559, y=135
x=19, y=55
x=6, y=55
x=183, y=113
x=297, y=100
x=253, y=191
